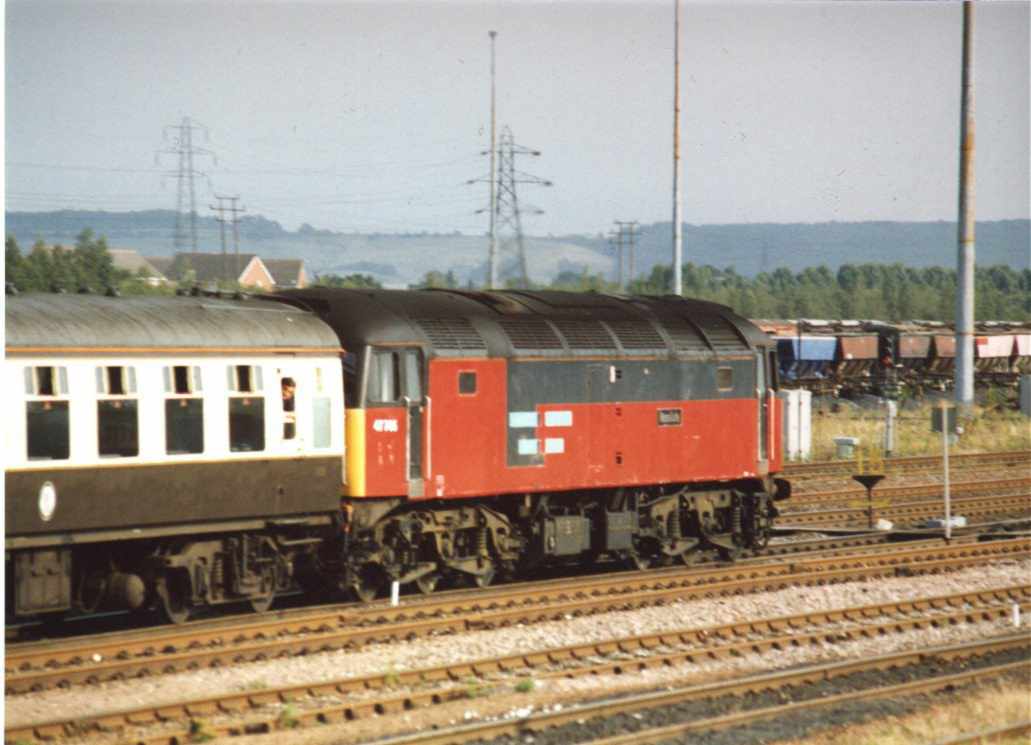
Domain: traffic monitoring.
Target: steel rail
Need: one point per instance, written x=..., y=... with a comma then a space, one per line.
x=713, y=642
x=688, y=585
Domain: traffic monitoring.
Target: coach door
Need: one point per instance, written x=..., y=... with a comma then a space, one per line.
x=762, y=394
x=416, y=406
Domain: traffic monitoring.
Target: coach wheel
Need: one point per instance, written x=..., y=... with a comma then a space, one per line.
x=174, y=593
x=369, y=582
x=427, y=583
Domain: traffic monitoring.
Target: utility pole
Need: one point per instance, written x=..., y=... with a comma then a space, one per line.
x=221, y=220
x=616, y=241
x=492, y=251
x=234, y=211
x=965, y=257
x=181, y=145
x=628, y=230
x=678, y=206
x=507, y=212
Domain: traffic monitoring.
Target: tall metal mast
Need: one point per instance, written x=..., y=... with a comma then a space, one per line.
x=965, y=258
x=492, y=253
x=678, y=207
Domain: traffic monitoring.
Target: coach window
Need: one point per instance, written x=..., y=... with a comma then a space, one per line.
x=117, y=412
x=322, y=413
x=246, y=409
x=184, y=410
x=725, y=378
x=384, y=377
x=46, y=412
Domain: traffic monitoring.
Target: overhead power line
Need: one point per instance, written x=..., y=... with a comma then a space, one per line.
x=181, y=145
x=507, y=214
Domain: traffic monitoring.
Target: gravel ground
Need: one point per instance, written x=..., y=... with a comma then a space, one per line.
x=386, y=658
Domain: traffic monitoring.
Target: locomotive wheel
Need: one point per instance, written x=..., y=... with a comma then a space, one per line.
x=690, y=557
x=427, y=583
x=173, y=592
x=728, y=554
x=261, y=603
x=638, y=561
x=484, y=580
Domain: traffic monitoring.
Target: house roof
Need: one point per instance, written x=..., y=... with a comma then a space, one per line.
x=162, y=263
x=285, y=272
x=209, y=267
x=131, y=261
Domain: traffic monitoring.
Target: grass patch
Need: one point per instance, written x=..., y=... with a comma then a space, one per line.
x=288, y=718
x=989, y=429
x=525, y=685
x=474, y=688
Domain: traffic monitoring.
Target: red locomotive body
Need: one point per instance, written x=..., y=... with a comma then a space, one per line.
x=493, y=430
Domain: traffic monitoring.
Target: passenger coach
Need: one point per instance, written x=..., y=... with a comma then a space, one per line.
x=173, y=451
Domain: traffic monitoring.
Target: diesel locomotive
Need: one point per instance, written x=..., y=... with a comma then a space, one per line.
x=182, y=452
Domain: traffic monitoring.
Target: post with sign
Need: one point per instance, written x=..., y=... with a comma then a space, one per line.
x=943, y=419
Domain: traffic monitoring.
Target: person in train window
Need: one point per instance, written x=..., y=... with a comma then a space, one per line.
x=289, y=417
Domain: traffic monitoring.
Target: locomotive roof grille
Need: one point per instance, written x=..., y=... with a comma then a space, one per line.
x=637, y=335
x=684, y=335
x=455, y=334
x=720, y=333
x=529, y=333
x=585, y=334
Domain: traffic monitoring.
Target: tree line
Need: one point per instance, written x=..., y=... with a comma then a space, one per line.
x=889, y=292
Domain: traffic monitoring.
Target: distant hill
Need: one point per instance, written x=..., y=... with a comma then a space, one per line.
x=401, y=259
x=755, y=247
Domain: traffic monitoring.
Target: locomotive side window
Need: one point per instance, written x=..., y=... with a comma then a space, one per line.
x=467, y=383
x=385, y=377
x=350, y=365
x=184, y=410
x=117, y=412
x=46, y=414
x=725, y=378
x=246, y=410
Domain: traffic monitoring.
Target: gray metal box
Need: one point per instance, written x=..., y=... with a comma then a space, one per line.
x=43, y=581
x=619, y=530
x=567, y=536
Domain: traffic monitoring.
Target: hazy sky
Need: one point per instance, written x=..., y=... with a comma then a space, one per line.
x=372, y=116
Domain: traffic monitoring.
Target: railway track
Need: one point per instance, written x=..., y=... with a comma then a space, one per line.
x=354, y=698
x=92, y=659
x=970, y=507
x=913, y=463
x=963, y=488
